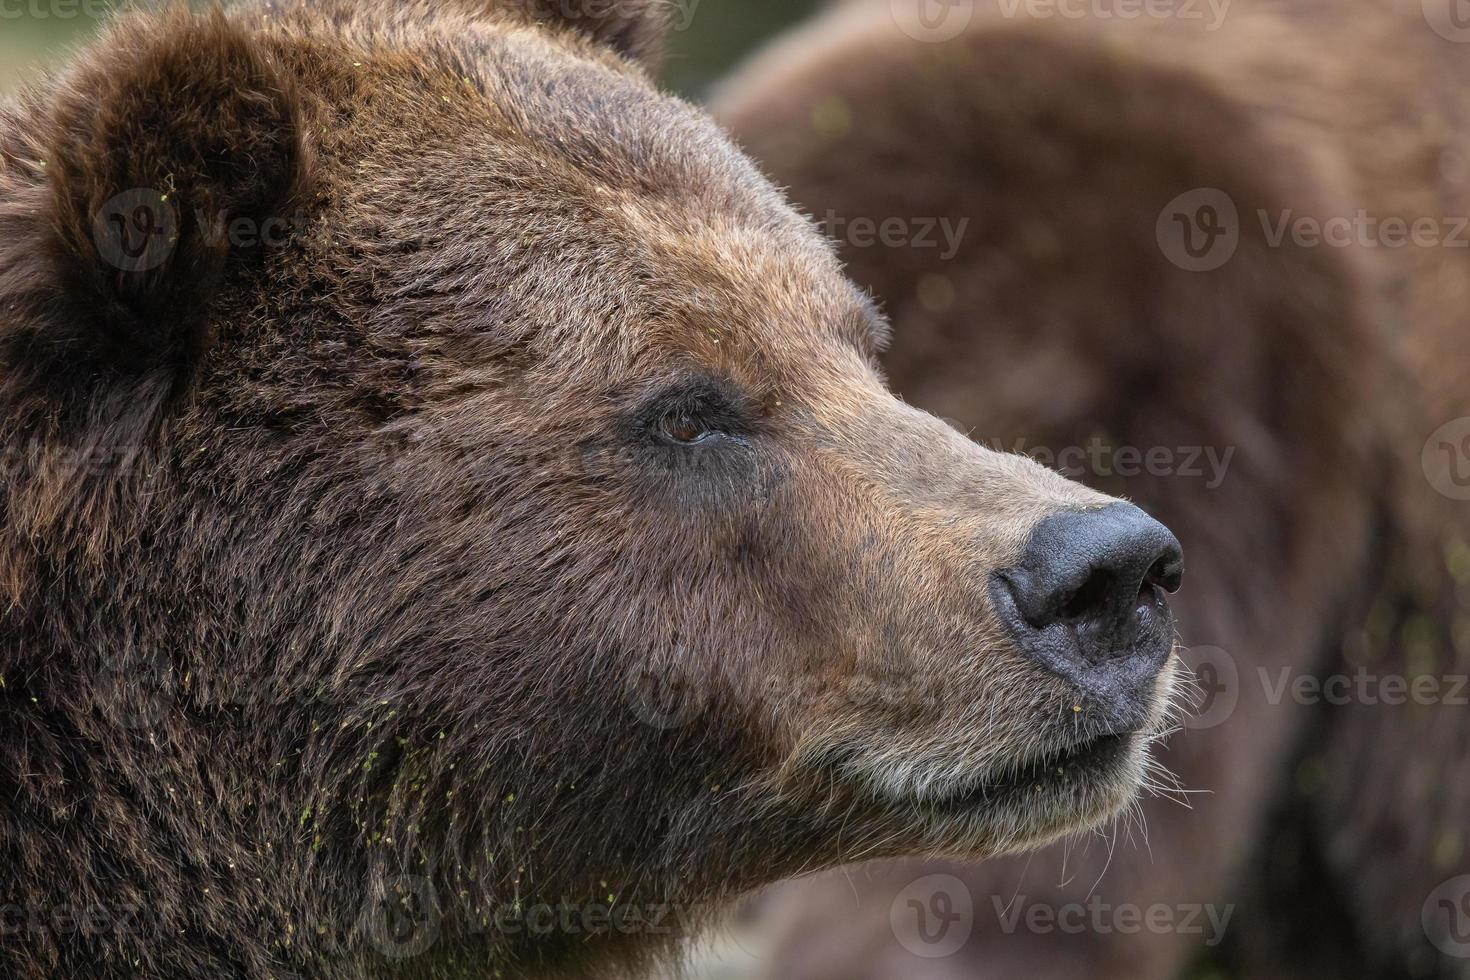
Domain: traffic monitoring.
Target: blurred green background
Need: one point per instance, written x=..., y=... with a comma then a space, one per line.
x=709, y=35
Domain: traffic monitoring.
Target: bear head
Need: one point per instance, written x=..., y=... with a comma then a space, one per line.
x=442, y=472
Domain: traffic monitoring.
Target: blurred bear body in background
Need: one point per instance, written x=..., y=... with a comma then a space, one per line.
x=1188, y=238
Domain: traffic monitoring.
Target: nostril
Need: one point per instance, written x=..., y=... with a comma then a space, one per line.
x=1167, y=573
x=1093, y=593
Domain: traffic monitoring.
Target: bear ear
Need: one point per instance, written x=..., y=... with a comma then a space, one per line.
x=174, y=128
x=634, y=28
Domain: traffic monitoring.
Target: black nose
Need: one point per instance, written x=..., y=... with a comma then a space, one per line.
x=1086, y=599
x=1093, y=568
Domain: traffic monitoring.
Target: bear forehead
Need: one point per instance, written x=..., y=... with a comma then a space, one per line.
x=557, y=196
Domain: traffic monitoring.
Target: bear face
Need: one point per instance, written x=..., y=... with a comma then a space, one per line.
x=443, y=467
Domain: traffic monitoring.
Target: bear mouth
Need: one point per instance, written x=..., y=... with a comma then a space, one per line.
x=1094, y=760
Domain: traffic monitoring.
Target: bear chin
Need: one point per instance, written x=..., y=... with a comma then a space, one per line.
x=1073, y=785
x=1068, y=792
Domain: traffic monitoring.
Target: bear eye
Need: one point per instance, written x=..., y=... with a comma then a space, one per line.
x=696, y=413
x=682, y=428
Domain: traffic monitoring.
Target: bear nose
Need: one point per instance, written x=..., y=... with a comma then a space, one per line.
x=1093, y=568
x=1086, y=600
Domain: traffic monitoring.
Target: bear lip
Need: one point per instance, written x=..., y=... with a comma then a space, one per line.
x=1094, y=757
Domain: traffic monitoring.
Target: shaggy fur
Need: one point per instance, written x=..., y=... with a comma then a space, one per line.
x=1060, y=320
x=452, y=523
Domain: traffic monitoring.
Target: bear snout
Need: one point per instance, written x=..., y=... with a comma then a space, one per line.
x=1087, y=602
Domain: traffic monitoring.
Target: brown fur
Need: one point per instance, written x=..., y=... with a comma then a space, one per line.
x=335, y=562
x=1325, y=368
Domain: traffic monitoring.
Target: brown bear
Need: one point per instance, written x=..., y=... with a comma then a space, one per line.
x=1172, y=237
x=453, y=523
